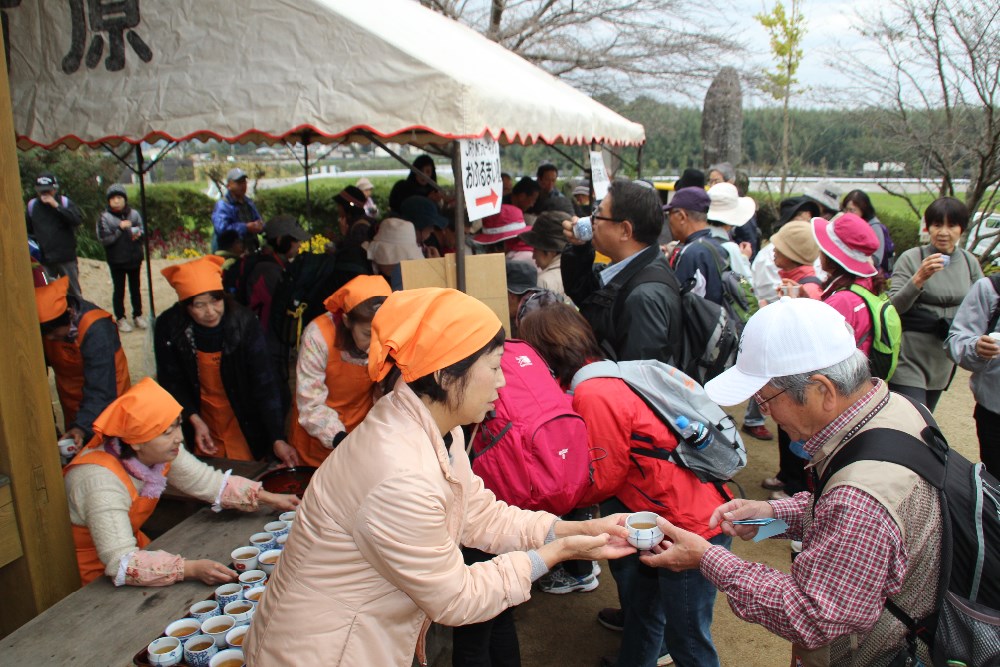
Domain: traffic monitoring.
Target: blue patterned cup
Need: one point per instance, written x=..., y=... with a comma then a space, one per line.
x=643, y=531
x=252, y=579
x=227, y=593
x=205, y=609
x=264, y=541
x=277, y=528
x=198, y=650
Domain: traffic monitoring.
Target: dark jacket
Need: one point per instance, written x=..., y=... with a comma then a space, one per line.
x=54, y=228
x=98, y=348
x=123, y=250
x=247, y=373
x=231, y=214
x=647, y=323
x=693, y=257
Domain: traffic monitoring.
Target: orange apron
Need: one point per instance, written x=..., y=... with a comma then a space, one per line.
x=87, y=560
x=67, y=362
x=218, y=413
x=349, y=393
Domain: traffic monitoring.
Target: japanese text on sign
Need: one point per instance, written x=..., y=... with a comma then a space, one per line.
x=599, y=174
x=481, y=177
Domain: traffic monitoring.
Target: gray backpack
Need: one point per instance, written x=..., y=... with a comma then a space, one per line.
x=670, y=394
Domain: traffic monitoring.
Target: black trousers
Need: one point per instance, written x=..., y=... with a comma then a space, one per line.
x=791, y=468
x=988, y=430
x=118, y=277
x=491, y=643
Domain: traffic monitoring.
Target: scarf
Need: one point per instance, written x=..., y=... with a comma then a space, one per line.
x=152, y=477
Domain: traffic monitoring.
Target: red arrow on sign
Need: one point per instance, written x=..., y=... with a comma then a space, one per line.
x=490, y=199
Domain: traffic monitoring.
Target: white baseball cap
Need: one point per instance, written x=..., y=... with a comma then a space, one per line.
x=787, y=337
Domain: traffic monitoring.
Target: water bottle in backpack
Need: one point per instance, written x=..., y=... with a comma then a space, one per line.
x=694, y=433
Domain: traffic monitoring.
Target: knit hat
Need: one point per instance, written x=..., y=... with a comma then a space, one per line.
x=117, y=190
x=849, y=241
x=357, y=291
x=795, y=241
x=427, y=329
x=395, y=241
x=50, y=300
x=506, y=224
x=137, y=416
x=547, y=232
x=195, y=277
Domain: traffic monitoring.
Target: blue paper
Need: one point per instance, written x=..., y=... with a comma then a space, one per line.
x=767, y=527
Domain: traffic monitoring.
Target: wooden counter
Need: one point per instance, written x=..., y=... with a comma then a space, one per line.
x=104, y=625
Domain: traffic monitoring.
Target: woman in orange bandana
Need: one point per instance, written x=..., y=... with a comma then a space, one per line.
x=333, y=391
x=115, y=482
x=82, y=346
x=212, y=357
x=376, y=554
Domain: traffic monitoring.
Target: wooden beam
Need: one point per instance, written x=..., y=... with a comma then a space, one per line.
x=47, y=571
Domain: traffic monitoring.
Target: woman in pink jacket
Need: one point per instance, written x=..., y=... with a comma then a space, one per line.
x=374, y=554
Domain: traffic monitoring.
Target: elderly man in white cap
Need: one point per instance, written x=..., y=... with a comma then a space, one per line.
x=874, y=532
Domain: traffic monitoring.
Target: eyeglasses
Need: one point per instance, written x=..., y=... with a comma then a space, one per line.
x=595, y=216
x=762, y=402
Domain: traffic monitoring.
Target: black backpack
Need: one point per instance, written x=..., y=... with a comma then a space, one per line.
x=236, y=279
x=965, y=626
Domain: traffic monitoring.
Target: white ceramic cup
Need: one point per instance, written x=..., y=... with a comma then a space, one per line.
x=183, y=628
x=237, y=635
x=204, y=609
x=68, y=448
x=281, y=541
x=217, y=627
x=643, y=532
x=196, y=653
x=165, y=651
x=241, y=610
x=277, y=528
x=995, y=335
x=252, y=579
x=224, y=657
x=263, y=541
x=245, y=558
x=254, y=594
x=226, y=593
x=273, y=555
x=287, y=517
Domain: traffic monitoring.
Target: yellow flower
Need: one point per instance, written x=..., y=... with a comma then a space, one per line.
x=316, y=245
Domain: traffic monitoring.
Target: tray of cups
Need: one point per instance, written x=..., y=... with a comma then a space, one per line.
x=212, y=633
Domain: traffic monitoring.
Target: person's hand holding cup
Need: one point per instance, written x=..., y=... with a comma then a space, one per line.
x=789, y=288
x=988, y=345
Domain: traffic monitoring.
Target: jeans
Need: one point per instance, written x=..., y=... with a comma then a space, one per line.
x=988, y=430
x=665, y=609
x=118, y=277
x=753, y=415
x=929, y=397
x=491, y=643
x=68, y=269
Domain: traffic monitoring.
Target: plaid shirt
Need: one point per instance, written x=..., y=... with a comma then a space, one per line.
x=853, y=557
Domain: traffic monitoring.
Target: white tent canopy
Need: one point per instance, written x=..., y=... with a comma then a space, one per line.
x=267, y=70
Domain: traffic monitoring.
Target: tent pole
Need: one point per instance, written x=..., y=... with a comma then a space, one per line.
x=567, y=156
x=305, y=145
x=456, y=170
x=638, y=161
x=145, y=221
x=399, y=158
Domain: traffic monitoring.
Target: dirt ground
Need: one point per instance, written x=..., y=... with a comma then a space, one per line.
x=562, y=630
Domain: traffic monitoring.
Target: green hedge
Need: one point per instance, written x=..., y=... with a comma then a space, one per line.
x=291, y=199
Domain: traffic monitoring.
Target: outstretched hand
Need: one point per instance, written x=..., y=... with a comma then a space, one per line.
x=738, y=509
x=680, y=550
x=596, y=547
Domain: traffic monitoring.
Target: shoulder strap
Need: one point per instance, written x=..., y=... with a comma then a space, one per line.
x=720, y=264
x=810, y=280
x=88, y=319
x=890, y=446
x=995, y=316
x=598, y=369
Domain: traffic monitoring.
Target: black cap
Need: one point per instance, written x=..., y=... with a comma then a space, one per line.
x=521, y=277
x=46, y=182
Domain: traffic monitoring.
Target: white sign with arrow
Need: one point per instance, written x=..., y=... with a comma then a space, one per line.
x=481, y=177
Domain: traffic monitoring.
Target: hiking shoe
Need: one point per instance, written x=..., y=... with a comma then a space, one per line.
x=141, y=323
x=773, y=484
x=796, y=546
x=759, y=432
x=561, y=582
x=611, y=618
x=597, y=569
x=124, y=326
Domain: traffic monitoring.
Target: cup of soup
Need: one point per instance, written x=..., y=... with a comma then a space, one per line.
x=263, y=541
x=198, y=650
x=245, y=558
x=165, y=651
x=277, y=528
x=217, y=627
x=252, y=579
x=236, y=636
x=231, y=657
x=204, y=609
x=241, y=610
x=183, y=628
x=269, y=559
x=226, y=593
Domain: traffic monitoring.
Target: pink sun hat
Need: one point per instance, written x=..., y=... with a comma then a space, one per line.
x=506, y=224
x=849, y=241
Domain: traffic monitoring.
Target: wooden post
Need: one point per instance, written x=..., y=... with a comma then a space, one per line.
x=47, y=571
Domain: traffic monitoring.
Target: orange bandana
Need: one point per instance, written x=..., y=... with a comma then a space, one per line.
x=426, y=330
x=355, y=292
x=195, y=277
x=137, y=416
x=51, y=299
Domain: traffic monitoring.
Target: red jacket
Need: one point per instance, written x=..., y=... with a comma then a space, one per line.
x=619, y=422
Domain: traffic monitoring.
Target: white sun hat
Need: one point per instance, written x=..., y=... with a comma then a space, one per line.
x=783, y=338
x=728, y=207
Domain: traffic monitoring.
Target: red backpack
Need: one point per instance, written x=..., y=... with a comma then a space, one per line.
x=532, y=450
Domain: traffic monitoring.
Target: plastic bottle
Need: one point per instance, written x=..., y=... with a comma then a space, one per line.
x=695, y=434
